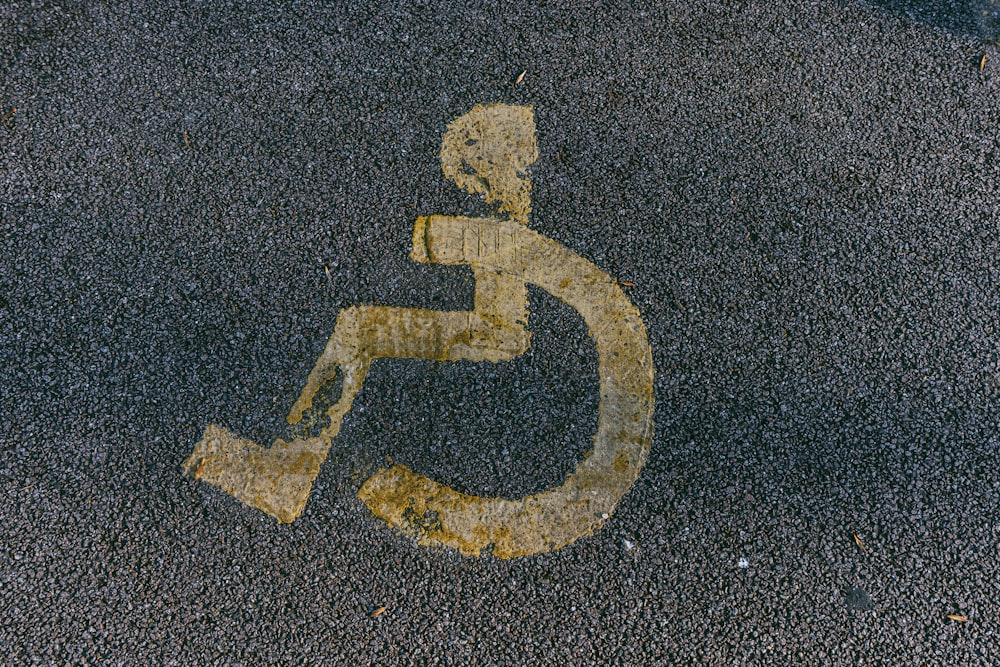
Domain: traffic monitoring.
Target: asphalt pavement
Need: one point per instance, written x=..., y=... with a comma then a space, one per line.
x=800, y=198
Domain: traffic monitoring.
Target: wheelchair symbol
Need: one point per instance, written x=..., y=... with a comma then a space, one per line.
x=487, y=152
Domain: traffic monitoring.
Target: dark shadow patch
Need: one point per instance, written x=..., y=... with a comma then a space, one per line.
x=980, y=18
x=857, y=599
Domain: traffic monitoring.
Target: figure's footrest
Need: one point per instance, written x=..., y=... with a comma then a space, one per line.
x=275, y=480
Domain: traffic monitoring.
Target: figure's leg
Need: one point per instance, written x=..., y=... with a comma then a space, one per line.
x=277, y=479
x=341, y=350
x=493, y=331
x=363, y=333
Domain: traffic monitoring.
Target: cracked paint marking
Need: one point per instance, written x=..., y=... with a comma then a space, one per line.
x=486, y=152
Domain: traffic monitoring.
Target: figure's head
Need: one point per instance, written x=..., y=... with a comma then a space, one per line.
x=488, y=151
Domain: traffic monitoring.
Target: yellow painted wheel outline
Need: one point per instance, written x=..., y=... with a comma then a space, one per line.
x=487, y=151
x=557, y=517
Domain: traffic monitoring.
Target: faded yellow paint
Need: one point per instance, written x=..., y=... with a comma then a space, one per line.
x=486, y=152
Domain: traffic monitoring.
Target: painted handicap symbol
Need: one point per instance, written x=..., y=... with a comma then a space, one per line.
x=486, y=152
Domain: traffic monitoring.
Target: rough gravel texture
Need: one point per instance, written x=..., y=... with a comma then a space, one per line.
x=804, y=194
